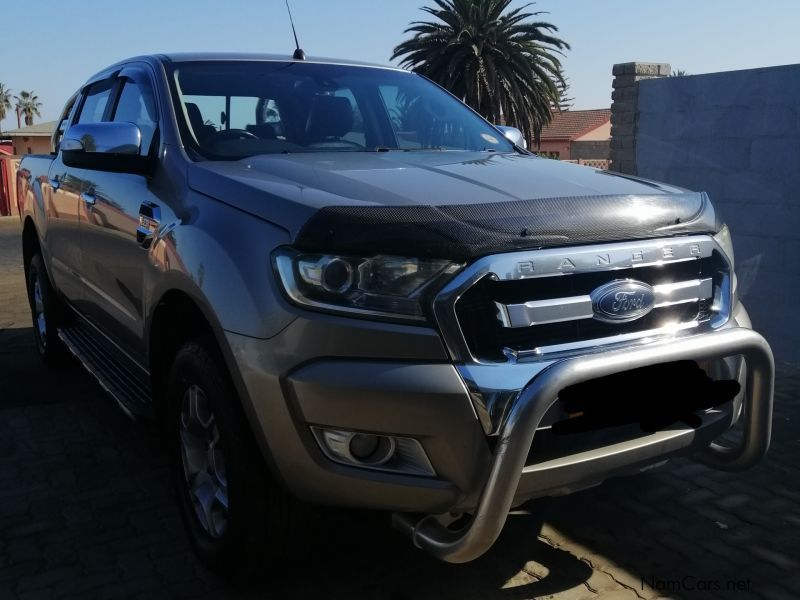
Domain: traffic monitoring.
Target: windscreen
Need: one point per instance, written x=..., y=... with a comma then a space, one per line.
x=231, y=110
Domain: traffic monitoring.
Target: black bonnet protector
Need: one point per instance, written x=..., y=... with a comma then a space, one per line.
x=465, y=231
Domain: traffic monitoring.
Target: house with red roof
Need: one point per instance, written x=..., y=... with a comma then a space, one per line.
x=577, y=135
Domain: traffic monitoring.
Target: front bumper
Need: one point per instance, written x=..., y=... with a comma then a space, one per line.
x=507, y=472
x=290, y=382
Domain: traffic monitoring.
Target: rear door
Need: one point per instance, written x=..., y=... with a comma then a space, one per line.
x=61, y=204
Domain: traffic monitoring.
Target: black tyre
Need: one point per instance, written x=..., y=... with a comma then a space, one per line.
x=238, y=518
x=47, y=314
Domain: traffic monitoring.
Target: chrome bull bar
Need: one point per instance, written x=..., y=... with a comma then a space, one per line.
x=516, y=436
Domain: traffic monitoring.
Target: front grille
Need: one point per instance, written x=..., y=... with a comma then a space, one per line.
x=488, y=339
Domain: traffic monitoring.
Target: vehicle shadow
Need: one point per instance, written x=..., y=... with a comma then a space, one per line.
x=23, y=379
x=362, y=557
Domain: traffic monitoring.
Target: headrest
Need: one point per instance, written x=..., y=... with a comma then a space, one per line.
x=194, y=114
x=329, y=117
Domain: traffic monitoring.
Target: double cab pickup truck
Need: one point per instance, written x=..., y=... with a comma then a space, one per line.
x=333, y=283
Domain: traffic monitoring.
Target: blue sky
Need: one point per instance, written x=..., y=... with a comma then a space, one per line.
x=699, y=36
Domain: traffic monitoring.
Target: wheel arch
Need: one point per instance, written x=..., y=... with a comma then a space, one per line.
x=177, y=318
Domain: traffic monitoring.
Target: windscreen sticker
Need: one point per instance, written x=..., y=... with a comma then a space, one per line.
x=490, y=138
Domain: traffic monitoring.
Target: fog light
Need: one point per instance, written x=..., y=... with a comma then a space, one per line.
x=362, y=445
x=374, y=451
x=371, y=449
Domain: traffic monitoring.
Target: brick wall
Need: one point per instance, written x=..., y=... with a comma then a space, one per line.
x=736, y=135
x=624, y=102
x=589, y=150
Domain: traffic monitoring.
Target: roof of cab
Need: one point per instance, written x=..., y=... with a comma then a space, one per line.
x=234, y=56
x=179, y=57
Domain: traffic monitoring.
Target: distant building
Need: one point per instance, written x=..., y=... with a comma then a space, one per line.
x=578, y=135
x=34, y=139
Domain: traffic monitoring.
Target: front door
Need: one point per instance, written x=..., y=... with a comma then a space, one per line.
x=114, y=260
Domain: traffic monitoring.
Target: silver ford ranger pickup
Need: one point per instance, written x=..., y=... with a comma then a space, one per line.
x=334, y=283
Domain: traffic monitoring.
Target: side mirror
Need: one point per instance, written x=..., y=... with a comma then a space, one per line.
x=104, y=147
x=513, y=134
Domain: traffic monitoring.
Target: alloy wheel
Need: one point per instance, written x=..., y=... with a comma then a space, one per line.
x=203, y=462
x=38, y=311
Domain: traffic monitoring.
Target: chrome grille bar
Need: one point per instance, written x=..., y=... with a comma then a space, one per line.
x=572, y=308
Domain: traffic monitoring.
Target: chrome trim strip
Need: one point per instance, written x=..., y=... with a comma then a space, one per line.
x=681, y=292
x=572, y=308
x=644, y=336
x=541, y=312
x=602, y=257
x=511, y=451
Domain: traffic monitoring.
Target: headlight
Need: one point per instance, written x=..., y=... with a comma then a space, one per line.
x=380, y=286
x=723, y=238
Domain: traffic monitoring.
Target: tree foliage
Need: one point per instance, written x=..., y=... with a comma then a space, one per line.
x=29, y=105
x=501, y=61
x=5, y=102
x=565, y=101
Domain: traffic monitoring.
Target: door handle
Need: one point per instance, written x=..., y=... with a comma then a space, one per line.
x=89, y=198
x=55, y=183
x=149, y=223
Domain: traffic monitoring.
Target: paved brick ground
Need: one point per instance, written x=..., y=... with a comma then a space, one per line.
x=86, y=512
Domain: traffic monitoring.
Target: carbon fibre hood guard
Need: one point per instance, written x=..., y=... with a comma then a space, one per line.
x=465, y=231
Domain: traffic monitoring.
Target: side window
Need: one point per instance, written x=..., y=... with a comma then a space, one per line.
x=400, y=108
x=62, y=125
x=356, y=133
x=269, y=119
x=136, y=105
x=243, y=112
x=269, y=112
x=94, y=107
x=205, y=111
x=421, y=122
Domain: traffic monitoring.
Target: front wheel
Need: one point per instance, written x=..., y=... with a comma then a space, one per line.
x=236, y=515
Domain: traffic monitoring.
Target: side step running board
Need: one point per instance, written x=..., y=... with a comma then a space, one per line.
x=126, y=382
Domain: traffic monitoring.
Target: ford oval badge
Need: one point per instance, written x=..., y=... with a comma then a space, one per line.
x=622, y=300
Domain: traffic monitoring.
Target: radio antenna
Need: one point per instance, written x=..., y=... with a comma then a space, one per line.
x=298, y=53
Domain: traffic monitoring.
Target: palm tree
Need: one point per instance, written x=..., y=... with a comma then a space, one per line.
x=497, y=60
x=565, y=101
x=5, y=103
x=29, y=105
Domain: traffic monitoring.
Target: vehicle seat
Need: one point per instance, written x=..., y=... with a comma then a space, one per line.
x=201, y=130
x=330, y=118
